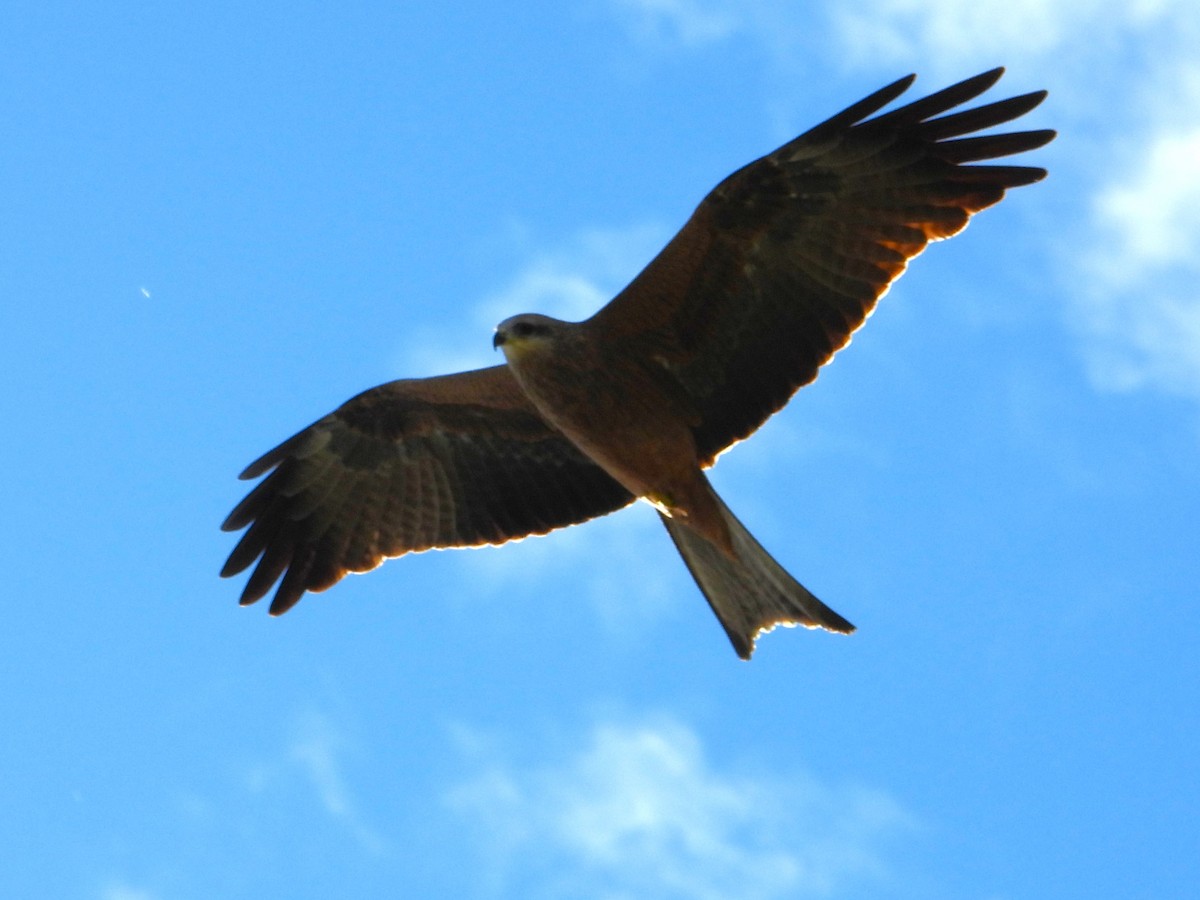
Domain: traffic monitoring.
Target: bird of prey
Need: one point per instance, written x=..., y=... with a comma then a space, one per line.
x=774, y=270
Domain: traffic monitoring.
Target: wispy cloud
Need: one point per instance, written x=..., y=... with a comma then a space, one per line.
x=317, y=748
x=122, y=891
x=315, y=751
x=689, y=23
x=300, y=775
x=785, y=32
x=640, y=811
x=622, y=569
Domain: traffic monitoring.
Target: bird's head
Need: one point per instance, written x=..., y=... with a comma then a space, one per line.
x=518, y=335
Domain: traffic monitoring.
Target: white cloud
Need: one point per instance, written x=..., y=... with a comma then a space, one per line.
x=902, y=31
x=948, y=35
x=1126, y=94
x=1154, y=216
x=936, y=36
x=639, y=811
x=575, y=278
x=569, y=279
x=1140, y=315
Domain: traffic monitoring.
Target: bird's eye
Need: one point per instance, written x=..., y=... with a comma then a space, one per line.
x=523, y=329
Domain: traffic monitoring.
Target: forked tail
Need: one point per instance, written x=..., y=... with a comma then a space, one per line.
x=753, y=593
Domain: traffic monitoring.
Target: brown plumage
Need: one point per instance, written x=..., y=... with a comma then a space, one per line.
x=773, y=272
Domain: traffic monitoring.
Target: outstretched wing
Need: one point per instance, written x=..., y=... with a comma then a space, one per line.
x=461, y=460
x=787, y=257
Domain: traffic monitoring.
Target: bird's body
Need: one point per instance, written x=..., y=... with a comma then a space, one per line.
x=767, y=280
x=617, y=408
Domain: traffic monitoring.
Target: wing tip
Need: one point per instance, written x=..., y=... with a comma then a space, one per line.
x=280, y=606
x=280, y=603
x=990, y=76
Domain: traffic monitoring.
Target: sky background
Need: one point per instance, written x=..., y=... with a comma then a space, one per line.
x=221, y=220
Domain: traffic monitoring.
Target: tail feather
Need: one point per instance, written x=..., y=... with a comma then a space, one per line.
x=752, y=593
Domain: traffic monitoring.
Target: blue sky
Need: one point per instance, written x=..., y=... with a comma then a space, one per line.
x=220, y=222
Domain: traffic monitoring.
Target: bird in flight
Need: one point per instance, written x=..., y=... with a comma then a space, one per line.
x=770, y=276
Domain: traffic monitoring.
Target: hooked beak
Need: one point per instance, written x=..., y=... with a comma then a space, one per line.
x=497, y=339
